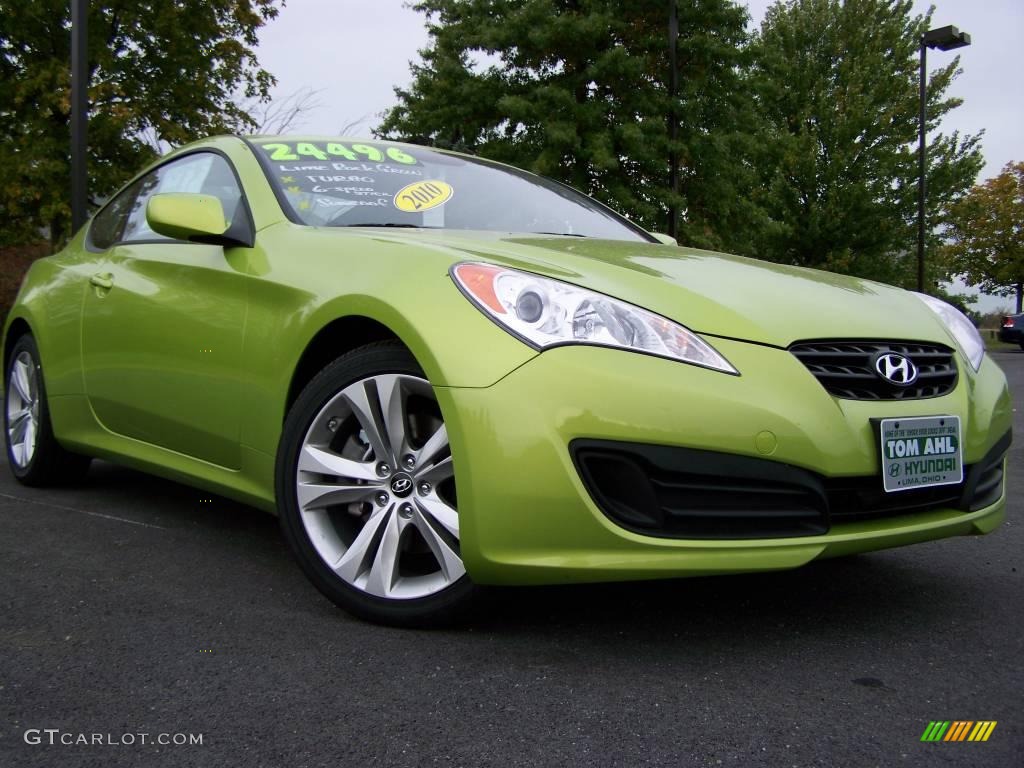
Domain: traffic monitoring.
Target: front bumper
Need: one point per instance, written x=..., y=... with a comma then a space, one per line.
x=527, y=517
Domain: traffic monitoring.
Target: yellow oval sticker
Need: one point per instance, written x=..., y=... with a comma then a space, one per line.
x=423, y=195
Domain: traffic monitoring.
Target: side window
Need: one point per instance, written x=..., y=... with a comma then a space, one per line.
x=124, y=219
x=203, y=172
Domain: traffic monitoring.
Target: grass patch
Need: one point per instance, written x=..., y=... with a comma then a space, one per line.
x=992, y=342
x=998, y=346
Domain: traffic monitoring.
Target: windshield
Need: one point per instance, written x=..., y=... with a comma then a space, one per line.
x=328, y=183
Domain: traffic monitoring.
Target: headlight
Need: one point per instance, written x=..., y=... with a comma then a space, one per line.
x=959, y=327
x=547, y=313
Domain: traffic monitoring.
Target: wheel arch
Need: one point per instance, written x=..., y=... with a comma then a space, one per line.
x=454, y=344
x=336, y=338
x=16, y=328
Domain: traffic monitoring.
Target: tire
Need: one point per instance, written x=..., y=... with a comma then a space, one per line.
x=1022, y=346
x=33, y=453
x=366, y=491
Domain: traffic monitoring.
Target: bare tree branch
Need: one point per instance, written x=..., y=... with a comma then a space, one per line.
x=350, y=128
x=283, y=115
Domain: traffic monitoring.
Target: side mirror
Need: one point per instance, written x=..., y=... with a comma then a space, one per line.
x=188, y=216
x=664, y=239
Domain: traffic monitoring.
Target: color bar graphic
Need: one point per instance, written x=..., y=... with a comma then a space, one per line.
x=958, y=730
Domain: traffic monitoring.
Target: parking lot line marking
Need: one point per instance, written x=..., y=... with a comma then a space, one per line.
x=82, y=511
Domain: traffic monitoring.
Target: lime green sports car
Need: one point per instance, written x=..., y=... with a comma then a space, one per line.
x=443, y=372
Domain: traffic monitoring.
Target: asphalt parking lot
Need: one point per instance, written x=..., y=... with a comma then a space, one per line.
x=133, y=605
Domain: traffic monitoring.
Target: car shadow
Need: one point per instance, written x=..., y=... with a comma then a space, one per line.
x=884, y=592
x=171, y=504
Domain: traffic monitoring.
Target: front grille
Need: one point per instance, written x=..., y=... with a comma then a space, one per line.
x=983, y=483
x=690, y=494
x=847, y=368
x=682, y=493
x=862, y=498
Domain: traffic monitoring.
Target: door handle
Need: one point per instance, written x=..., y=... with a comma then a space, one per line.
x=103, y=280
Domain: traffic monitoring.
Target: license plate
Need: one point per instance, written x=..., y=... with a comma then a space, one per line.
x=921, y=453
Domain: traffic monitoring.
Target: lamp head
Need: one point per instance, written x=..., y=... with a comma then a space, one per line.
x=945, y=38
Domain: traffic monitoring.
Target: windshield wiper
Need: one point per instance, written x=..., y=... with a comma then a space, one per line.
x=388, y=224
x=561, y=234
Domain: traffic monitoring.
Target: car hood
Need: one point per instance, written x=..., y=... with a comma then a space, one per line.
x=712, y=293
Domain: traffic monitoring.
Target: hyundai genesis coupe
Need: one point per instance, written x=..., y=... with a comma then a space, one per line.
x=441, y=372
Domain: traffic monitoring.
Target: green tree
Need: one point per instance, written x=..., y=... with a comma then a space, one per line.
x=159, y=72
x=577, y=90
x=986, y=235
x=838, y=85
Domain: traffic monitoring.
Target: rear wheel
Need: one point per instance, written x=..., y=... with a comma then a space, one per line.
x=366, y=490
x=33, y=453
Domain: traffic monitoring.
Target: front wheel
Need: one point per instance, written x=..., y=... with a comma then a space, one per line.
x=366, y=490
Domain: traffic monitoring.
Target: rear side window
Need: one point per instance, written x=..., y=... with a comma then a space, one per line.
x=124, y=219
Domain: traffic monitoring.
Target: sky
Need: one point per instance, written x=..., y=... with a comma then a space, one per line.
x=354, y=53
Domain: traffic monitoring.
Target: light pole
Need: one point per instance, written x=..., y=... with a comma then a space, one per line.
x=673, y=121
x=79, y=111
x=945, y=39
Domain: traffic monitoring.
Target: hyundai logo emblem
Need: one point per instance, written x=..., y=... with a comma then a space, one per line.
x=401, y=485
x=896, y=369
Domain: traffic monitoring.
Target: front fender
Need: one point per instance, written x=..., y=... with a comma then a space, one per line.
x=450, y=338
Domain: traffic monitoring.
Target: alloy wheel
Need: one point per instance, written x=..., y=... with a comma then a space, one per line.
x=376, y=489
x=22, y=409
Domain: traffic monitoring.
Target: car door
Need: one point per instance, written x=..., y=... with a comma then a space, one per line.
x=164, y=320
